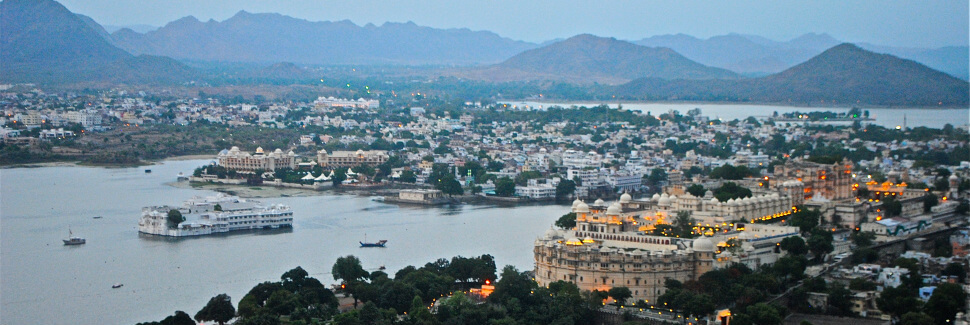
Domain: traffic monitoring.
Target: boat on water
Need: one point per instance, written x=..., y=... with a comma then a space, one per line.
x=98, y=217
x=73, y=240
x=117, y=285
x=148, y=171
x=379, y=243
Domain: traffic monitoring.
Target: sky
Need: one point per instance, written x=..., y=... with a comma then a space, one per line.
x=922, y=23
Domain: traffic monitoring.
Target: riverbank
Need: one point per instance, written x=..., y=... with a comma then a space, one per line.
x=591, y=103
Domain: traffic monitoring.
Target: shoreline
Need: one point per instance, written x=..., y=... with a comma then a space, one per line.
x=782, y=104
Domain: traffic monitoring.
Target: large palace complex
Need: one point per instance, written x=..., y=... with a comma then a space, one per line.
x=614, y=244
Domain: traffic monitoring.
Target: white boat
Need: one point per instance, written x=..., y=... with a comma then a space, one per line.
x=73, y=240
x=117, y=285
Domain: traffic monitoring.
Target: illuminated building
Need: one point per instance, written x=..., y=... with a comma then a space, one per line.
x=234, y=159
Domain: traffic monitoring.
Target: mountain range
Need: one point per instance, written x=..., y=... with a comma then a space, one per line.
x=587, y=58
x=754, y=55
x=272, y=38
x=44, y=42
x=844, y=74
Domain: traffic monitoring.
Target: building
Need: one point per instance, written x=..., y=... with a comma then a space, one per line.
x=351, y=158
x=613, y=245
x=323, y=102
x=234, y=159
x=831, y=182
x=216, y=214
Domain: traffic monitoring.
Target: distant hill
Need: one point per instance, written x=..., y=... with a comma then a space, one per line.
x=755, y=55
x=269, y=38
x=43, y=42
x=587, y=58
x=844, y=74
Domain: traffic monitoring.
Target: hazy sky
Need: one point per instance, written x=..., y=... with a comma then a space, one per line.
x=900, y=23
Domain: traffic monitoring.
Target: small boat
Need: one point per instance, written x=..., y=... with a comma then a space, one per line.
x=148, y=171
x=98, y=217
x=382, y=268
x=117, y=285
x=379, y=243
x=73, y=240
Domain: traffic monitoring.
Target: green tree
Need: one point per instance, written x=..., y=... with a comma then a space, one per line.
x=565, y=189
x=567, y=221
x=349, y=269
x=897, y=301
x=947, y=300
x=219, y=309
x=449, y=185
x=504, y=187
x=620, y=295
x=916, y=318
x=218, y=207
x=794, y=245
x=697, y=190
x=862, y=238
x=174, y=218
x=820, y=243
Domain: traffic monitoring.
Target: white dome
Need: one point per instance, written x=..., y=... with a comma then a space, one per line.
x=708, y=194
x=551, y=233
x=673, y=198
x=702, y=245
x=614, y=210
x=714, y=201
x=582, y=208
x=599, y=202
x=626, y=198
x=655, y=197
x=953, y=177
x=664, y=200
x=576, y=203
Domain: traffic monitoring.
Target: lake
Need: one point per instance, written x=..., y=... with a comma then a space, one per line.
x=887, y=117
x=44, y=282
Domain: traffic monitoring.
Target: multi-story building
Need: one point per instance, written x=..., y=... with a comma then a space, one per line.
x=831, y=182
x=351, y=158
x=613, y=245
x=235, y=159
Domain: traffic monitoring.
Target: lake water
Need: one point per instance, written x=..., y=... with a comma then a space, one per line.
x=44, y=282
x=887, y=117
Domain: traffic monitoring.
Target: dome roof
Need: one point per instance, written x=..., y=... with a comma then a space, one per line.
x=715, y=201
x=664, y=200
x=702, y=245
x=551, y=233
x=656, y=196
x=673, y=197
x=599, y=202
x=582, y=208
x=576, y=203
x=708, y=194
x=614, y=209
x=953, y=177
x=626, y=198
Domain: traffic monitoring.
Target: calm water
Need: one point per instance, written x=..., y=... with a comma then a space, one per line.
x=45, y=282
x=888, y=117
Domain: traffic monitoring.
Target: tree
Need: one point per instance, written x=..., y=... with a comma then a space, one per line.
x=408, y=176
x=218, y=207
x=947, y=300
x=504, y=187
x=696, y=190
x=862, y=238
x=219, y=309
x=657, y=175
x=955, y=269
x=804, y=219
x=620, y=295
x=820, y=243
x=565, y=189
x=930, y=200
x=348, y=268
x=916, y=318
x=567, y=221
x=731, y=190
x=449, y=185
x=897, y=301
x=794, y=245
x=175, y=218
